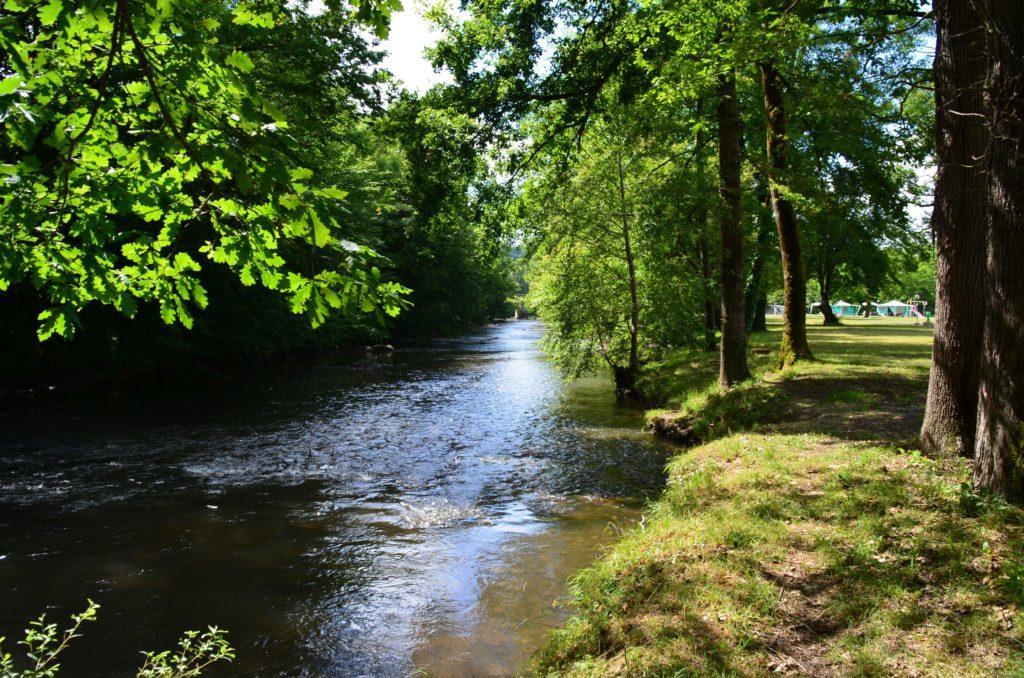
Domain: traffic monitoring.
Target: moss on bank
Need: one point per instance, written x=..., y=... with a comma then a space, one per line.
x=810, y=540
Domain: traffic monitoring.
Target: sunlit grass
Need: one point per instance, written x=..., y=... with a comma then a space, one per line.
x=807, y=538
x=890, y=354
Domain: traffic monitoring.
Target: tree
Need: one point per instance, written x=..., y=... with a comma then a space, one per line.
x=135, y=147
x=999, y=439
x=855, y=182
x=794, y=282
x=958, y=226
x=756, y=296
x=603, y=278
x=733, y=362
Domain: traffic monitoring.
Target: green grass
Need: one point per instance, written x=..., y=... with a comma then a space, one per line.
x=806, y=537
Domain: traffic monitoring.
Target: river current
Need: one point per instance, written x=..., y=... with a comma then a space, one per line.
x=376, y=515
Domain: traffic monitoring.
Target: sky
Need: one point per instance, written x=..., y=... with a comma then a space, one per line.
x=410, y=35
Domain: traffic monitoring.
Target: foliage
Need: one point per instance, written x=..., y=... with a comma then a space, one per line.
x=611, y=278
x=856, y=183
x=44, y=642
x=309, y=188
x=452, y=251
x=551, y=78
x=135, y=146
x=195, y=652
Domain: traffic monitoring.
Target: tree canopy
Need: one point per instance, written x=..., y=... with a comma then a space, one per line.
x=136, y=146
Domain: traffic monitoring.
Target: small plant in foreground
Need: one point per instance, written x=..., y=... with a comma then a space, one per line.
x=44, y=642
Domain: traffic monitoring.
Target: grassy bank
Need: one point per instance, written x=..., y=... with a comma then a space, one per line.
x=805, y=535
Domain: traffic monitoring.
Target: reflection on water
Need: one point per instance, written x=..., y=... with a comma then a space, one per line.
x=360, y=517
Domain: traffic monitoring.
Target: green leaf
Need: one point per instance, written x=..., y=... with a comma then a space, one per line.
x=240, y=61
x=54, y=321
x=10, y=84
x=300, y=174
x=166, y=313
x=49, y=12
x=244, y=16
x=331, y=192
x=321, y=234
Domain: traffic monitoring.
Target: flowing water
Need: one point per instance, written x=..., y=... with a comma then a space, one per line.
x=370, y=516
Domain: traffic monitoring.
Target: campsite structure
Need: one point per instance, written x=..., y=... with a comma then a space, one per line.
x=899, y=309
x=839, y=308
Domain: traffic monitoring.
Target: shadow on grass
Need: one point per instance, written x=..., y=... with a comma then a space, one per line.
x=867, y=383
x=797, y=555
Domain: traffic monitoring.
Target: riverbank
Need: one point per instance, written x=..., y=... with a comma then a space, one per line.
x=805, y=535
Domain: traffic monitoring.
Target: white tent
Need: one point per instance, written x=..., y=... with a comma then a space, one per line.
x=893, y=307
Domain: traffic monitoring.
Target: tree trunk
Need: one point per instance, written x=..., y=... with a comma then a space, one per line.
x=958, y=226
x=733, y=356
x=754, y=298
x=760, y=322
x=825, y=282
x=710, y=319
x=627, y=388
x=625, y=383
x=830, y=318
x=794, y=284
x=999, y=446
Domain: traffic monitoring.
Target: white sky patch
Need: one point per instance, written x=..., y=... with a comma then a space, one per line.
x=921, y=214
x=410, y=36
x=407, y=41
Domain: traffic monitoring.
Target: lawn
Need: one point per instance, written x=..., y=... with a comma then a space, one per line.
x=804, y=534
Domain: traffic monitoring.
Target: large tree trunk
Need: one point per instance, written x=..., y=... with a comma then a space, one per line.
x=999, y=446
x=707, y=283
x=794, y=284
x=958, y=226
x=825, y=282
x=733, y=360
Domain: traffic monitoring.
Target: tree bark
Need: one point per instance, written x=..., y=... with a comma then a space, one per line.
x=760, y=322
x=999, y=446
x=794, y=284
x=825, y=282
x=754, y=297
x=958, y=226
x=733, y=356
x=625, y=384
x=710, y=319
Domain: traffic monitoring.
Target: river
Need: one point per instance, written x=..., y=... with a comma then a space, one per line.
x=377, y=515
